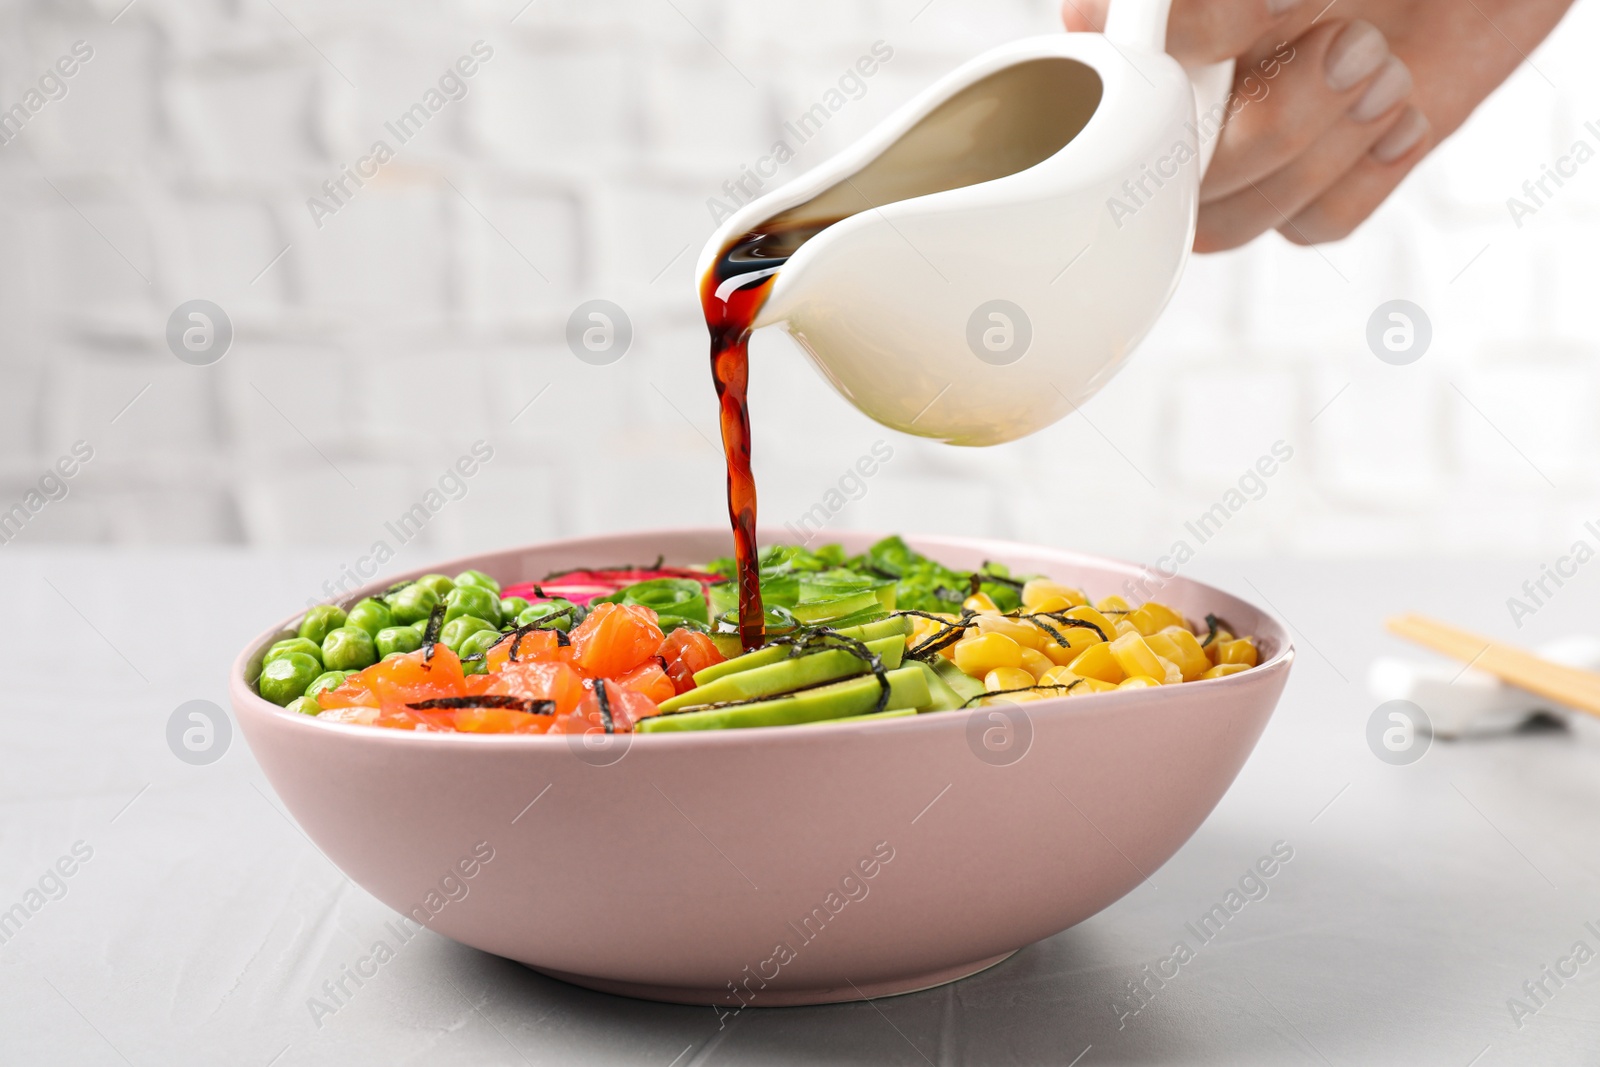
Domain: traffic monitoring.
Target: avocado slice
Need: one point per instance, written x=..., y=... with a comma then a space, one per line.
x=788, y=674
x=942, y=696
x=853, y=696
x=964, y=684
x=815, y=612
x=898, y=713
x=761, y=657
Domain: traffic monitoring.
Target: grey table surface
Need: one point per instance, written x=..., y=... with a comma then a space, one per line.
x=1418, y=902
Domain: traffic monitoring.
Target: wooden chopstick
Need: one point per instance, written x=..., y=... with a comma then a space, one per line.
x=1567, y=686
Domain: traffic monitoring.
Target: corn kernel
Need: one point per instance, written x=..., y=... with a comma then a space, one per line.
x=1126, y=627
x=1038, y=592
x=1222, y=670
x=980, y=602
x=1035, y=662
x=1111, y=603
x=1087, y=614
x=1025, y=634
x=1007, y=678
x=1138, y=681
x=1097, y=662
x=1181, y=647
x=1078, y=638
x=1023, y=697
x=1134, y=657
x=1164, y=615
x=1214, y=646
x=1058, y=676
x=979, y=655
x=1241, y=651
x=1092, y=685
x=1174, y=674
x=1052, y=604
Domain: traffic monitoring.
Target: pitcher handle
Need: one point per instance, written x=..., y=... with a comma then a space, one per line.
x=1143, y=24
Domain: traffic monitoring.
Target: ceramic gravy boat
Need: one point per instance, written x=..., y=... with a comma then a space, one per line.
x=987, y=258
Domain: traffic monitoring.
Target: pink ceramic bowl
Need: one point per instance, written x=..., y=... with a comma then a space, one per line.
x=788, y=865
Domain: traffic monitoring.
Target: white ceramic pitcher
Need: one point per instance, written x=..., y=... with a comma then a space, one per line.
x=1006, y=238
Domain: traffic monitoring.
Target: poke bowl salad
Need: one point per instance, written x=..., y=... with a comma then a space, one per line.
x=647, y=649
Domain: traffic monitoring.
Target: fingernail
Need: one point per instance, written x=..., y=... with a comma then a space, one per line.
x=1408, y=129
x=1359, y=50
x=1392, y=85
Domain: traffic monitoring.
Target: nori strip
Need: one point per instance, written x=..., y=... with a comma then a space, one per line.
x=1213, y=624
x=397, y=586
x=974, y=583
x=1064, y=620
x=1047, y=628
x=604, y=701
x=1024, y=689
x=430, y=636
x=487, y=700
x=661, y=559
x=1015, y=583
x=954, y=631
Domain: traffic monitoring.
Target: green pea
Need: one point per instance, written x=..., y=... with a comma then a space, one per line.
x=320, y=621
x=392, y=639
x=370, y=615
x=478, y=579
x=472, y=600
x=286, y=677
x=479, y=642
x=349, y=648
x=414, y=603
x=325, y=681
x=512, y=606
x=476, y=666
x=534, y=612
x=458, y=630
x=304, y=706
x=421, y=627
x=392, y=655
x=282, y=648
x=439, y=583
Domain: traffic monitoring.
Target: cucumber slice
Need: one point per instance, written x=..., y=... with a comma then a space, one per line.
x=788, y=674
x=853, y=696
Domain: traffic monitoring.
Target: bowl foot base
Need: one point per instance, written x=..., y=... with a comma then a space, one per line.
x=782, y=998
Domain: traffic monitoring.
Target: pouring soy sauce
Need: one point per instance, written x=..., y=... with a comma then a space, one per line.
x=731, y=296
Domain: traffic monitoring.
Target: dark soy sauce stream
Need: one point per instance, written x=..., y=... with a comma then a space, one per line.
x=730, y=308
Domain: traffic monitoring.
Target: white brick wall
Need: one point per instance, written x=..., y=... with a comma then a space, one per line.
x=428, y=311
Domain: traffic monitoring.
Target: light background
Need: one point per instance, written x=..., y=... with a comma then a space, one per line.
x=430, y=309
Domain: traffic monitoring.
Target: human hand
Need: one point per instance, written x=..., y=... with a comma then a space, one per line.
x=1359, y=91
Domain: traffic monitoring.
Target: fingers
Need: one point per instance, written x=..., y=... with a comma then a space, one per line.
x=1337, y=212
x=1204, y=31
x=1288, y=100
x=1275, y=171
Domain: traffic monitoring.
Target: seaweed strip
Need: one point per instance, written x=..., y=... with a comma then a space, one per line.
x=1024, y=689
x=1015, y=583
x=937, y=643
x=660, y=559
x=974, y=583
x=397, y=586
x=1047, y=628
x=1064, y=620
x=1213, y=624
x=488, y=700
x=604, y=700
x=430, y=636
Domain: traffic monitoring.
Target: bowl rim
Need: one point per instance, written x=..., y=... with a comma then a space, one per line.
x=245, y=698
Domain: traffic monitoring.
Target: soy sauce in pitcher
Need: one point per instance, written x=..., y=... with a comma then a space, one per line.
x=731, y=294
